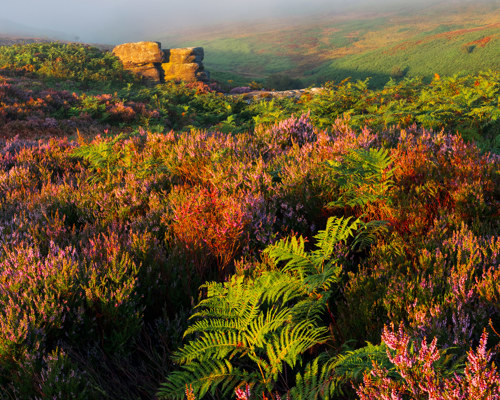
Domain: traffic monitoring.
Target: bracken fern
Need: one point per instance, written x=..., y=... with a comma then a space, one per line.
x=248, y=331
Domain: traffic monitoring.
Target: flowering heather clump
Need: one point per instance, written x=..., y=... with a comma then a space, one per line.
x=440, y=173
x=345, y=138
x=418, y=376
x=39, y=296
x=36, y=113
x=243, y=394
x=285, y=134
x=449, y=303
x=210, y=223
x=61, y=379
x=105, y=240
x=448, y=292
x=201, y=87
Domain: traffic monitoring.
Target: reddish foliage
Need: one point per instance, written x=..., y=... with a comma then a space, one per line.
x=480, y=42
x=207, y=221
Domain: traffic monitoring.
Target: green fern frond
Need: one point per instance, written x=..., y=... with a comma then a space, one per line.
x=102, y=156
x=280, y=287
x=210, y=375
x=310, y=309
x=316, y=382
x=293, y=341
x=318, y=262
x=267, y=322
x=211, y=345
x=292, y=250
x=324, y=280
x=369, y=232
x=213, y=325
x=270, y=321
x=363, y=176
x=324, y=377
x=337, y=230
x=352, y=364
x=229, y=301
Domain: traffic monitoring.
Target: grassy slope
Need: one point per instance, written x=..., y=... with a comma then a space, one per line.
x=441, y=54
x=336, y=47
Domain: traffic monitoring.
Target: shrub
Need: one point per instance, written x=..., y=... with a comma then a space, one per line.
x=206, y=223
x=251, y=331
x=468, y=48
x=397, y=72
x=64, y=61
x=418, y=374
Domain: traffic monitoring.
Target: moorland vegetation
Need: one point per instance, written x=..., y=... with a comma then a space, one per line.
x=380, y=43
x=172, y=241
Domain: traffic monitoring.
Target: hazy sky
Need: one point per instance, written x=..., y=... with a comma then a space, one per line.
x=112, y=21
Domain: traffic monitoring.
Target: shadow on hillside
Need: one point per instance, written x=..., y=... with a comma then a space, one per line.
x=258, y=65
x=243, y=67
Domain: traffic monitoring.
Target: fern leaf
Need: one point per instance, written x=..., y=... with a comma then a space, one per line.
x=323, y=280
x=310, y=309
x=280, y=287
x=316, y=382
x=211, y=345
x=212, y=325
x=324, y=377
x=363, y=177
x=337, y=230
x=229, y=301
x=203, y=377
x=292, y=251
x=351, y=365
x=270, y=321
x=293, y=341
x=369, y=232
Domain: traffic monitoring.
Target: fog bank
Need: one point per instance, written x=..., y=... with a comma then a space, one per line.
x=116, y=21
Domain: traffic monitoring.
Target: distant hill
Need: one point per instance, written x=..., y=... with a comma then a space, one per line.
x=8, y=27
x=8, y=40
x=14, y=30
x=440, y=38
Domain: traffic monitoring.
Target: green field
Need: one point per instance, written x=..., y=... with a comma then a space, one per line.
x=377, y=45
x=443, y=55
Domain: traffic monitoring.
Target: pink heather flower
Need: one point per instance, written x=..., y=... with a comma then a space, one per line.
x=243, y=394
x=418, y=378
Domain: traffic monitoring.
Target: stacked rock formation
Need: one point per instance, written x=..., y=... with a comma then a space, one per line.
x=149, y=61
x=141, y=58
x=184, y=64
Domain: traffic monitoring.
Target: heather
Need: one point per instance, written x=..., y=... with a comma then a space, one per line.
x=171, y=242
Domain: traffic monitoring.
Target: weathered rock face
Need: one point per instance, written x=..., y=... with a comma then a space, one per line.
x=184, y=64
x=146, y=59
x=139, y=53
x=185, y=55
x=148, y=71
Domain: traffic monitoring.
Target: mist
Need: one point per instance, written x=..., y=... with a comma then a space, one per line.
x=118, y=21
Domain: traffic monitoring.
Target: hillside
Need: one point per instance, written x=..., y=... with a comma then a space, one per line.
x=341, y=245
x=434, y=39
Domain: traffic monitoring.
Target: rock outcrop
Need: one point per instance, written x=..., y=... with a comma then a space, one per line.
x=184, y=64
x=141, y=58
x=139, y=53
x=149, y=61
